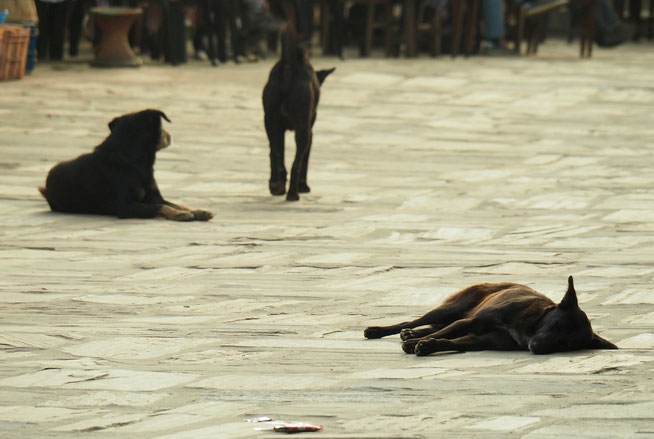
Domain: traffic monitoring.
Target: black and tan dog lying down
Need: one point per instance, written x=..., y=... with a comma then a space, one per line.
x=498, y=317
x=117, y=178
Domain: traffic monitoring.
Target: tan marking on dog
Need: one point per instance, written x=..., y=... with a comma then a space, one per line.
x=170, y=213
x=165, y=141
x=200, y=214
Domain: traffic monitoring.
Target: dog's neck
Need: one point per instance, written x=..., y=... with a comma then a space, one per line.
x=539, y=320
x=127, y=158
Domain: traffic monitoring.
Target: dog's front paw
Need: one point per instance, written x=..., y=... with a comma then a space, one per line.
x=181, y=215
x=408, y=346
x=292, y=196
x=202, y=215
x=303, y=188
x=407, y=334
x=373, y=332
x=425, y=347
x=277, y=187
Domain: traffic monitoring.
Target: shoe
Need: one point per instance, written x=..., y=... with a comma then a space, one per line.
x=201, y=55
x=491, y=48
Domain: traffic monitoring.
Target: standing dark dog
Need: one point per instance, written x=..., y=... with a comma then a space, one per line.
x=290, y=100
x=117, y=178
x=499, y=317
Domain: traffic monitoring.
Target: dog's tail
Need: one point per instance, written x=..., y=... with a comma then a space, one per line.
x=289, y=55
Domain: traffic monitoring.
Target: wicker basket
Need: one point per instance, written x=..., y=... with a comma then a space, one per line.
x=14, y=42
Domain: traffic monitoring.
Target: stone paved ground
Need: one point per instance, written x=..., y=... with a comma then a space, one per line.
x=427, y=176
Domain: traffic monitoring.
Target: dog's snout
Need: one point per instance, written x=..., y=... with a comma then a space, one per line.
x=169, y=138
x=536, y=347
x=165, y=141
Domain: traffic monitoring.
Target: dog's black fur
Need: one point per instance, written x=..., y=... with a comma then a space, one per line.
x=117, y=178
x=500, y=316
x=290, y=100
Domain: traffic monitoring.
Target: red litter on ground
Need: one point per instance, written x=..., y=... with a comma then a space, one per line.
x=284, y=426
x=296, y=427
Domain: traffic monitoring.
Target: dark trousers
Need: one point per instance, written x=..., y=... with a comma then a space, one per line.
x=170, y=37
x=175, y=35
x=220, y=15
x=52, y=28
x=78, y=8
x=336, y=27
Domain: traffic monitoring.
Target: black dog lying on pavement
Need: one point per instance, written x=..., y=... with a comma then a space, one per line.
x=117, y=178
x=499, y=317
x=290, y=100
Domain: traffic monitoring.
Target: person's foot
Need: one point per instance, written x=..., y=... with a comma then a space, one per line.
x=201, y=55
x=492, y=48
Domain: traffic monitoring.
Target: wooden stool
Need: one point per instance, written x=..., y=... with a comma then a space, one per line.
x=386, y=24
x=458, y=26
x=415, y=23
x=114, y=50
x=411, y=27
x=538, y=13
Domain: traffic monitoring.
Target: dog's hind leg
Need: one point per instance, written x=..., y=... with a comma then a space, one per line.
x=437, y=319
x=302, y=141
x=498, y=340
x=303, y=187
x=275, y=132
x=458, y=328
x=383, y=331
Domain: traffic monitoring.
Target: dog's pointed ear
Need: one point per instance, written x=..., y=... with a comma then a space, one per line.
x=322, y=74
x=155, y=115
x=160, y=113
x=569, y=301
x=112, y=124
x=598, y=342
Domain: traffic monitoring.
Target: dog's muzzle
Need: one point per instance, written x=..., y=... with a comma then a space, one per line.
x=538, y=348
x=165, y=141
